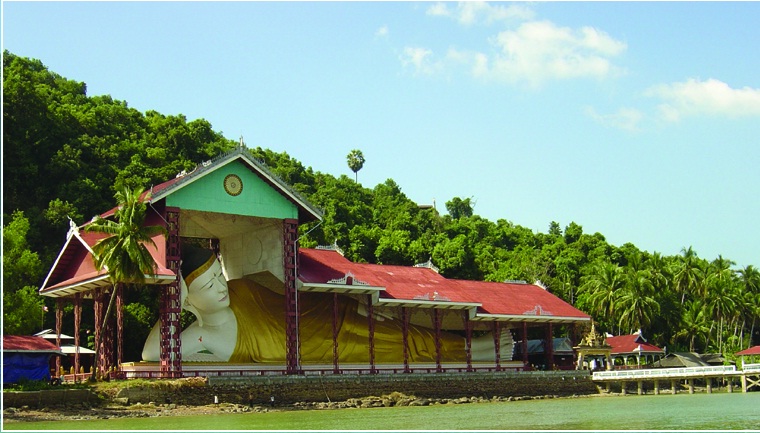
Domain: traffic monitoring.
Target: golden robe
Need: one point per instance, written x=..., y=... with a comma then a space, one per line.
x=260, y=315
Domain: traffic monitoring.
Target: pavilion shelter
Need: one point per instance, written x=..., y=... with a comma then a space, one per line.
x=633, y=350
x=250, y=218
x=70, y=350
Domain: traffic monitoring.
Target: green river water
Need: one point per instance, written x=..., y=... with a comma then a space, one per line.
x=717, y=411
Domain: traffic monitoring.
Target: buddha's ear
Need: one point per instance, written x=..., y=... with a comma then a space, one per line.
x=185, y=303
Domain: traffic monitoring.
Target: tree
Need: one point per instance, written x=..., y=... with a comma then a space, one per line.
x=355, y=162
x=23, y=307
x=123, y=253
x=459, y=208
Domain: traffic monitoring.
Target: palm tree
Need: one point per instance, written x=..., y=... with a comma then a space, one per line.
x=749, y=278
x=603, y=287
x=355, y=162
x=694, y=323
x=123, y=253
x=687, y=274
x=637, y=304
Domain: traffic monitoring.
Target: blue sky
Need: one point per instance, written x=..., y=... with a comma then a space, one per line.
x=637, y=120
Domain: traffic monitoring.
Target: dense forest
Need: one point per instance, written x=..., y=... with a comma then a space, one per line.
x=65, y=154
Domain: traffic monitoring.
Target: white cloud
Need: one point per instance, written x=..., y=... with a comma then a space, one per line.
x=711, y=97
x=625, y=118
x=419, y=59
x=382, y=32
x=539, y=50
x=469, y=13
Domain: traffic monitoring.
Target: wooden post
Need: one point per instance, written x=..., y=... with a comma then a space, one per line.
x=58, y=324
x=709, y=385
x=371, y=318
x=290, y=259
x=437, y=327
x=119, y=325
x=656, y=387
x=467, y=337
x=730, y=384
x=524, y=344
x=336, y=369
x=744, y=382
x=405, y=337
x=77, y=323
x=673, y=386
x=622, y=387
x=691, y=386
x=640, y=387
x=497, y=343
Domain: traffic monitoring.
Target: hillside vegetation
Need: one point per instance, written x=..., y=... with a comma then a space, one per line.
x=66, y=153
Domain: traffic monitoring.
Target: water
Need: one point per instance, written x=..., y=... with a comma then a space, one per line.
x=718, y=411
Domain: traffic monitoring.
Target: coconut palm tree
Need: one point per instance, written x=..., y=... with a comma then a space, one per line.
x=637, y=304
x=694, y=323
x=123, y=253
x=603, y=286
x=686, y=274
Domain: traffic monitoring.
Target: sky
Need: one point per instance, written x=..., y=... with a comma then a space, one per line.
x=636, y=120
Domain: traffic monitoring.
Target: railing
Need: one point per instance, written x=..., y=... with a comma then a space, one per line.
x=751, y=368
x=656, y=373
x=314, y=370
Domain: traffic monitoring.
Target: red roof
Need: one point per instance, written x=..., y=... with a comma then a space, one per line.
x=755, y=350
x=633, y=343
x=422, y=283
x=74, y=268
x=28, y=343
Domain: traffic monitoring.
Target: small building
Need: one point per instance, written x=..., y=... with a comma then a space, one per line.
x=69, y=349
x=27, y=357
x=689, y=359
x=753, y=353
x=633, y=350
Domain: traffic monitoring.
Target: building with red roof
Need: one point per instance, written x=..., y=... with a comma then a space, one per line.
x=633, y=350
x=27, y=357
x=250, y=218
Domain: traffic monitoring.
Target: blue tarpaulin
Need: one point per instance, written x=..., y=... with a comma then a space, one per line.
x=30, y=366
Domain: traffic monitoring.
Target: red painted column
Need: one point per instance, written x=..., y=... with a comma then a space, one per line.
x=170, y=302
x=497, y=343
x=58, y=325
x=437, y=327
x=524, y=343
x=98, y=313
x=107, y=336
x=119, y=326
x=290, y=235
x=468, y=338
x=549, y=347
x=336, y=368
x=77, y=322
x=405, y=337
x=371, y=319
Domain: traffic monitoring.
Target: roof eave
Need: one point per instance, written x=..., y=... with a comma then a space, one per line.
x=530, y=319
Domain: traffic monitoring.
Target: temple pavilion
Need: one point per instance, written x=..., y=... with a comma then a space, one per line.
x=250, y=218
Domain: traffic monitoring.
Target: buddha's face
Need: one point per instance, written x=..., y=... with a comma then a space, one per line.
x=208, y=292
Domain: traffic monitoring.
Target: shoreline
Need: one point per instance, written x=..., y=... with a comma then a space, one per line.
x=138, y=410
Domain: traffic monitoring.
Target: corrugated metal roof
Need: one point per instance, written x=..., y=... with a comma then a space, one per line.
x=494, y=301
x=632, y=344
x=28, y=343
x=74, y=270
x=751, y=351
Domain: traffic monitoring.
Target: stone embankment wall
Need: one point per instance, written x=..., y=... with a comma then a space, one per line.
x=292, y=389
x=48, y=398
